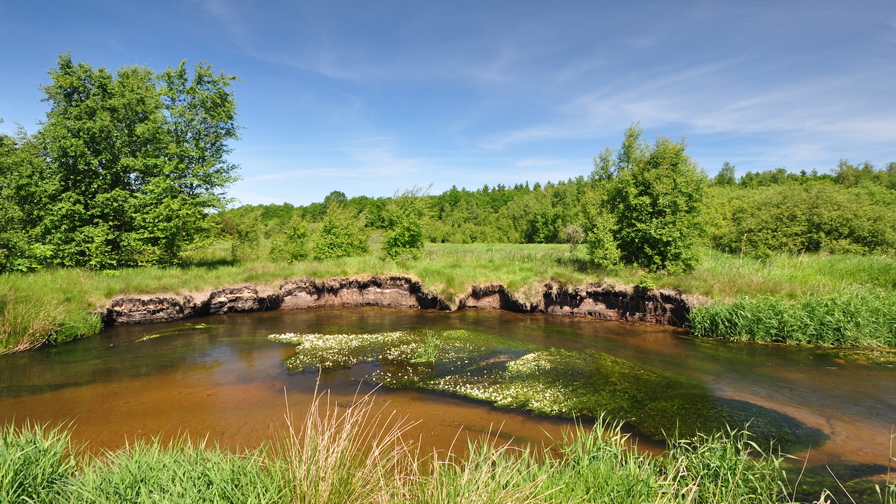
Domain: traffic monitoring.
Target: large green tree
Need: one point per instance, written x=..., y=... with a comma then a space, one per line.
x=136, y=160
x=655, y=195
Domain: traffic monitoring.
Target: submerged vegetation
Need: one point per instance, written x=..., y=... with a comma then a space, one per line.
x=361, y=454
x=545, y=381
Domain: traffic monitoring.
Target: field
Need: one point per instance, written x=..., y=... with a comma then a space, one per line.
x=57, y=305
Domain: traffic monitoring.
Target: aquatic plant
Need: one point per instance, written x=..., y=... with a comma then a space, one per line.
x=545, y=381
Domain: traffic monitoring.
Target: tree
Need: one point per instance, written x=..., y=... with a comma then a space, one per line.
x=136, y=160
x=23, y=197
x=341, y=235
x=726, y=175
x=292, y=246
x=655, y=196
x=404, y=225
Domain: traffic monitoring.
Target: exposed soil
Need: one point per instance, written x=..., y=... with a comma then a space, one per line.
x=602, y=302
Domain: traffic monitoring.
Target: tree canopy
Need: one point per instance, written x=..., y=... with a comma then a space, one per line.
x=654, y=194
x=126, y=167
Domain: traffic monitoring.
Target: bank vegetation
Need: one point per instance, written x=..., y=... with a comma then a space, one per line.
x=361, y=454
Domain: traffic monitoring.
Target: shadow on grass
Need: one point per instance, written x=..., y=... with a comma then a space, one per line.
x=208, y=264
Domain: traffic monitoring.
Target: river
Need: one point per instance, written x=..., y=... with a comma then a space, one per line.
x=221, y=377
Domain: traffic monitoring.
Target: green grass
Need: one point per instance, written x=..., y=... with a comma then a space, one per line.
x=58, y=304
x=361, y=454
x=852, y=317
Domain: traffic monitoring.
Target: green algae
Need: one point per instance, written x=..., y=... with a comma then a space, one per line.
x=545, y=381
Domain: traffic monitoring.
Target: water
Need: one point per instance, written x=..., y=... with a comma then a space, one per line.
x=221, y=377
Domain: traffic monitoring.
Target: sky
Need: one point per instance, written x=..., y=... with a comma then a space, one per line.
x=375, y=97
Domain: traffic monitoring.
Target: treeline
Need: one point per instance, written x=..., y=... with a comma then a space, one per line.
x=852, y=209
x=129, y=169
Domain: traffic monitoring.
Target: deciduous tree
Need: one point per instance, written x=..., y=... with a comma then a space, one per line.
x=136, y=161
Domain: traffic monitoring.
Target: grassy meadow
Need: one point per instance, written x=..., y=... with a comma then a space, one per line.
x=57, y=305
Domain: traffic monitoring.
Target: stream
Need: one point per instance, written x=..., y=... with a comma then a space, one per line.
x=222, y=378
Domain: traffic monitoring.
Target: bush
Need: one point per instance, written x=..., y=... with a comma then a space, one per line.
x=811, y=217
x=292, y=247
x=655, y=196
x=404, y=226
x=342, y=235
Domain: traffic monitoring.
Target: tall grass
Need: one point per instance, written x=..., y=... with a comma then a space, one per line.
x=854, y=317
x=342, y=454
x=185, y=470
x=36, y=463
x=348, y=455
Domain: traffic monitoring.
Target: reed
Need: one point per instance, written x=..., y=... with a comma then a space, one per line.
x=855, y=317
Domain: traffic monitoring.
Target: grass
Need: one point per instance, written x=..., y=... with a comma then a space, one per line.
x=852, y=317
x=57, y=305
x=359, y=454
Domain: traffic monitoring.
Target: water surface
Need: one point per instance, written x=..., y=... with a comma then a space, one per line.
x=221, y=377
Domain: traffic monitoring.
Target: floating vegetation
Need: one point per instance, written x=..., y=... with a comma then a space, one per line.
x=545, y=381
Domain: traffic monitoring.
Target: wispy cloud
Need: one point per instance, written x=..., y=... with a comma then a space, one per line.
x=225, y=13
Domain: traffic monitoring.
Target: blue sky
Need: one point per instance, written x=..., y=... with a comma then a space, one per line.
x=371, y=97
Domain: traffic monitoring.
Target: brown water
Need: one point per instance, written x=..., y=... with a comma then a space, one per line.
x=221, y=377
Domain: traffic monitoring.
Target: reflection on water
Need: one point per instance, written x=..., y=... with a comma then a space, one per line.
x=220, y=376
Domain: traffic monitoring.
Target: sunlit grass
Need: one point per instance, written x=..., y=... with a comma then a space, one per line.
x=358, y=453
x=60, y=303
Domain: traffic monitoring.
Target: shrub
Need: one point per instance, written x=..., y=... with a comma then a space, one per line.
x=292, y=246
x=342, y=235
x=404, y=226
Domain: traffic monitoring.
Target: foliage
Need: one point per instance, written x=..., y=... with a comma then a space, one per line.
x=655, y=195
x=599, y=232
x=18, y=160
x=292, y=246
x=807, y=217
x=573, y=235
x=130, y=164
x=247, y=237
x=848, y=318
x=404, y=216
x=726, y=175
x=342, y=234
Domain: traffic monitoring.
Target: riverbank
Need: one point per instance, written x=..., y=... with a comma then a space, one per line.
x=360, y=454
x=55, y=306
